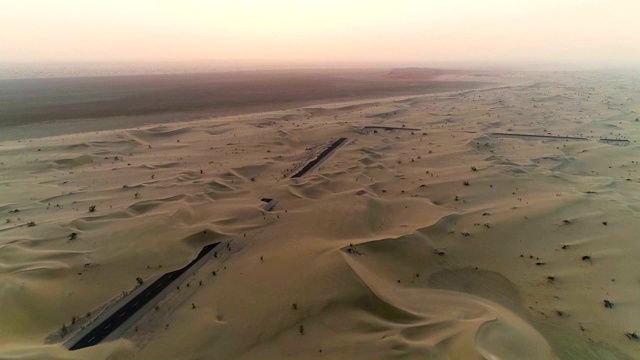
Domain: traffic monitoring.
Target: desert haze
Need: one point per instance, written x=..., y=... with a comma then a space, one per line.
x=336, y=214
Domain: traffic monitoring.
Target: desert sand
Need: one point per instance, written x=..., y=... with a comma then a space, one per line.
x=445, y=243
x=62, y=105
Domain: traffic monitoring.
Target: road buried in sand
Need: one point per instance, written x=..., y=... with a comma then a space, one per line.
x=324, y=154
x=120, y=316
x=539, y=136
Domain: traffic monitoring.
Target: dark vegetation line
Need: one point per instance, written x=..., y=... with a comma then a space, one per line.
x=320, y=157
x=25, y=101
x=107, y=326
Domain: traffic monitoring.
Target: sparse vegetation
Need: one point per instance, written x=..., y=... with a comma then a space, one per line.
x=368, y=162
x=352, y=250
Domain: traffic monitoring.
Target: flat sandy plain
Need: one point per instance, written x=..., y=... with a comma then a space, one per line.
x=443, y=243
x=54, y=106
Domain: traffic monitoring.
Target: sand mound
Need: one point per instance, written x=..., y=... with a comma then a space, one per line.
x=452, y=324
x=73, y=162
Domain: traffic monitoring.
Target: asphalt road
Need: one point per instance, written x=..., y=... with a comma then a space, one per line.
x=107, y=326
x=541, y=136
x=390, y=128
x=320, y=157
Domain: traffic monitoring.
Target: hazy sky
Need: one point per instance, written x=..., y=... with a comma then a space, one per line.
x=330, y=30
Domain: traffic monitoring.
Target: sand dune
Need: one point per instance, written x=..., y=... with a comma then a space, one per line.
x=442, y=243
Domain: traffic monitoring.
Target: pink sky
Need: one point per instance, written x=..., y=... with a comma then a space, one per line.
x=565, y=31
